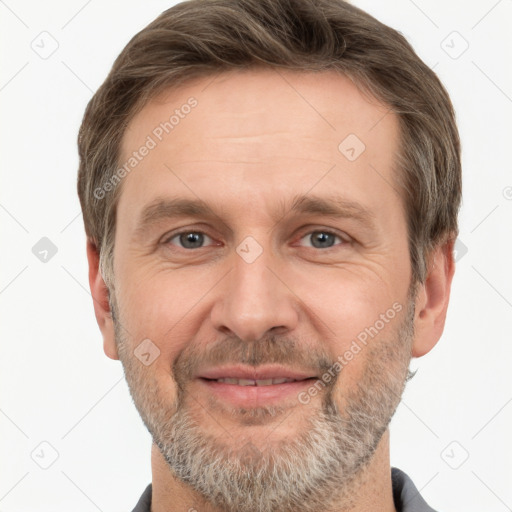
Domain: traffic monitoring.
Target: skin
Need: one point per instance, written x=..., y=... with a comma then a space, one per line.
x=254, y=141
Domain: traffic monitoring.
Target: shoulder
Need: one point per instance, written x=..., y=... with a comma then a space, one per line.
x=406, y=496
x=144, y=503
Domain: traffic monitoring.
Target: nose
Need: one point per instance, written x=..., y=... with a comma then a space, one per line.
x=254, y=299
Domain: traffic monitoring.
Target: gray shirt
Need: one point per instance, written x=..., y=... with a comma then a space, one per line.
x=405, y=495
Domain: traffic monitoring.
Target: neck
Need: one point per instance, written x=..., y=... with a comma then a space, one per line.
x=373, y=487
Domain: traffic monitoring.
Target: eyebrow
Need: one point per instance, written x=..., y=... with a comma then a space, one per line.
x=331, y=206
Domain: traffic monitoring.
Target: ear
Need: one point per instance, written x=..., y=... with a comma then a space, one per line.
x=100, y=297
x=432, y=299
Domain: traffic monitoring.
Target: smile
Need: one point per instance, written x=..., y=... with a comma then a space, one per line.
x=253, y=382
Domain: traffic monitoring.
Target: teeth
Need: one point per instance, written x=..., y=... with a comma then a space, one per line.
x=252, y=382
x=228, y=381
x=265, y=382
x=245, y=382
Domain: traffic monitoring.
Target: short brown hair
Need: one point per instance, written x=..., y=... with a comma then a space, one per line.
x=198, y=38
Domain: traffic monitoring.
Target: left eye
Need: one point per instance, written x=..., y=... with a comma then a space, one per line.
x=321, y=239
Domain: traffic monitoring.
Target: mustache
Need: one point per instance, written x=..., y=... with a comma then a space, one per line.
x=271, y=349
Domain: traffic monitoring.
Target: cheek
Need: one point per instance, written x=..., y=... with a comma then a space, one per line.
x=166, y=308
x=344, y=301
x=353, y=314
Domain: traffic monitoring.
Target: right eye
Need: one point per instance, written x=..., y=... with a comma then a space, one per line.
x=188, y=239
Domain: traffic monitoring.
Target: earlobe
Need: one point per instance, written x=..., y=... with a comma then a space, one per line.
x=432, y=299
x=100, y=296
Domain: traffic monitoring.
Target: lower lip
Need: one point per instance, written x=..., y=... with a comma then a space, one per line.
x=256, y=395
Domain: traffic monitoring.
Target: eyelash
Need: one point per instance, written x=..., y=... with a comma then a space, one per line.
x=324, y=231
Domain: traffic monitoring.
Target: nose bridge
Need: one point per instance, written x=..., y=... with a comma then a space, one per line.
x=253, y=299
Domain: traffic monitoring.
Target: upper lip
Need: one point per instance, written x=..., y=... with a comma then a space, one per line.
x=260, y=373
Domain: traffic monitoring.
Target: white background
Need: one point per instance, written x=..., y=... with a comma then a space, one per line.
x=58, y=387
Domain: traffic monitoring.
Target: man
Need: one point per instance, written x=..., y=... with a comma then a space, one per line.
x=270, y=193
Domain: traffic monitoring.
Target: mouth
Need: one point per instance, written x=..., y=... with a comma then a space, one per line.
x=249, y=387
x=256, y=382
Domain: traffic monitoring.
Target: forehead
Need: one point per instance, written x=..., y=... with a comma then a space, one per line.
x=259, y=134
x=262, y=102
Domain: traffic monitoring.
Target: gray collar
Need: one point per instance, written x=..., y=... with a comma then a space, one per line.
x=405, y=495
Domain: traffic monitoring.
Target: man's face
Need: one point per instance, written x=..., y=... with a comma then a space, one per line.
x=264, y=284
